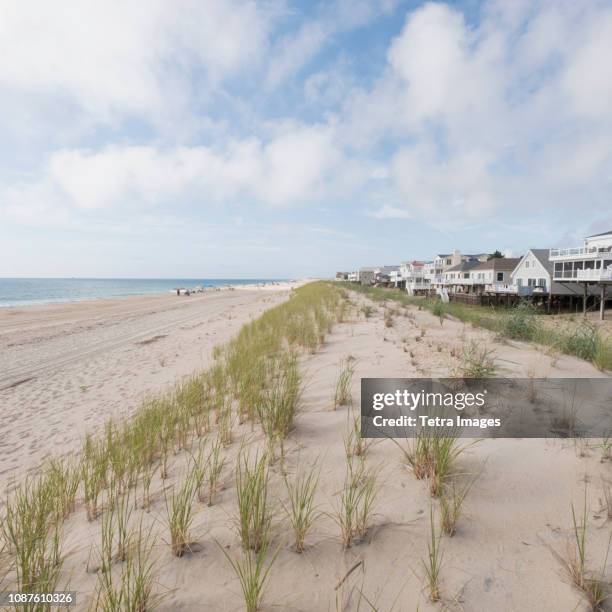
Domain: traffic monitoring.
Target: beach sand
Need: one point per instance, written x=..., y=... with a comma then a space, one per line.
x=515, y=516
x=66, y=368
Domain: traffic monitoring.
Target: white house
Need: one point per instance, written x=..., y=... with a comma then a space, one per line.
x=534, y=275
x=365, y=275
x=591, y=262
x=415, y=282
x=585, y=265
x=494, y=275
x=458, y=279
x=444, y=262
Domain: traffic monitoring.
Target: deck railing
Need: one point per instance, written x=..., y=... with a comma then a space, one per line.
x=578, y=252
x=584, y=275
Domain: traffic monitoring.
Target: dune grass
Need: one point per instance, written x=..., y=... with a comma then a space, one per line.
x=179, y=511
x=521, y=322
x=477, y=361
x=254, y=517
x=134, y=588
x=592, y=584
x=32, y=533
x=432, y=564
x=301, y=509
x=343, y=394
x=451, y=504
x=260, y=363
x=355, y=507
x=252, y=570
x=432, y=457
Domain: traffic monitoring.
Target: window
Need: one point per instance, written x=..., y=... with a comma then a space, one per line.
x=519, y=282
x=558, y=268
x=527, y=264
x=466, y=275
x=531, y=282
x=541, y=282
x=448, y=261
x=500, y=277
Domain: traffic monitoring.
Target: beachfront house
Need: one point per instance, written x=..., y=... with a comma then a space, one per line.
x=534, y=276
x=458, y=279
x=397, y=278
x=586, y=266
x=384, y=275
x=494, y=275
x=412, y=276
x=443, y=263
x=365, y=275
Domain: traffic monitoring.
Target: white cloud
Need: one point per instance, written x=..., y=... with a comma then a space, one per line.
x=506, y=115
x=113, y=58
x=295, y=166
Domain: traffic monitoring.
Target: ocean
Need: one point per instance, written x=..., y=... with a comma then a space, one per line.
x=28, y=291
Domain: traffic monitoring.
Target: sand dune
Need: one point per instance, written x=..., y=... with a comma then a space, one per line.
x=515, y=516
x=66, y=368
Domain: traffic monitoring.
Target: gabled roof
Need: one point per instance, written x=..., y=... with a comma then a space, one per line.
x=384, y=269
x=498, y=264
x=542, y=256
x=443, y=255
x=464, y=266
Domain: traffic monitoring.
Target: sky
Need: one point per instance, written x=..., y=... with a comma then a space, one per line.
x=228, y=138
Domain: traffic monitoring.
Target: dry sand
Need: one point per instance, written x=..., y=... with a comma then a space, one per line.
x=517, y=512
x=66, y=368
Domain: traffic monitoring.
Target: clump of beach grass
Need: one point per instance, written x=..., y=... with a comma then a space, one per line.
x=121, y=510
x=439, y=311
x=33, y=535
x=432, y=457
x=93, y=474
x=357, y=498
x=252, y=570
x=520, y=323
x=179, y=510
x=281, y=401
x=301, y=509
x=354, y=444
x=367, y=310
x=451, y=503
x=214, y=464
x=592, y=584
x=254, y=519
x=432, y=564
x=343, y=395
x=606, y=503
x=134, y=589
x=477, y=361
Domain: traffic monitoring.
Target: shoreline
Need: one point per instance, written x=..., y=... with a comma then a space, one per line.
x=159, y=294
x=65, y=368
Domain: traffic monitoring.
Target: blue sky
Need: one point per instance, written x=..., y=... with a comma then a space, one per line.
x=243, y=139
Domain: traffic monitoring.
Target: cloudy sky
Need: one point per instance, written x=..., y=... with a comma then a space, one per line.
x=228, y=138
